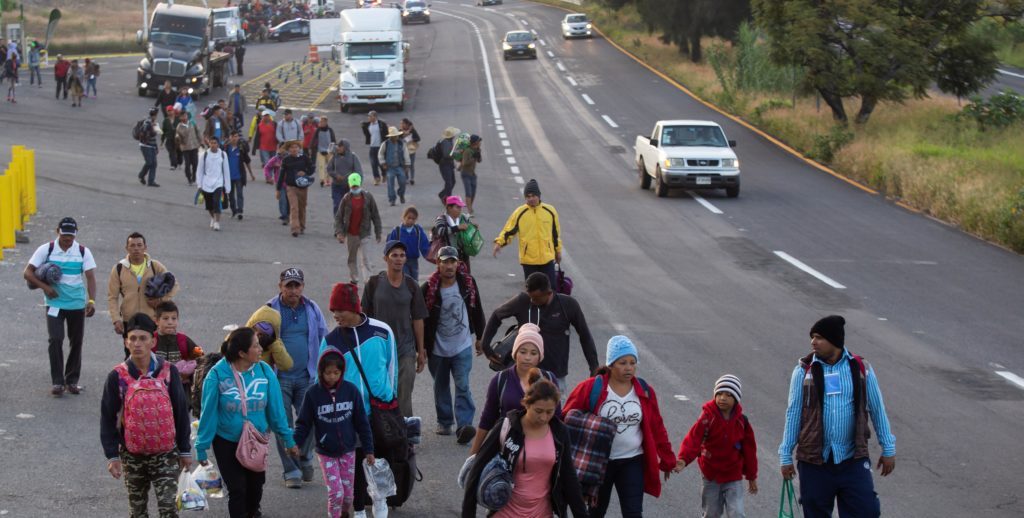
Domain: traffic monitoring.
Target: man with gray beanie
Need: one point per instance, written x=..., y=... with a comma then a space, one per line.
x=831, y=395
x=540, y=234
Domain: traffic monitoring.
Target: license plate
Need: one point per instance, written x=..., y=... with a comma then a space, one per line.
x=703, y=180
x=520, y=51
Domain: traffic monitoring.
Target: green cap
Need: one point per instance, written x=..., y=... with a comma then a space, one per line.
x=354, y=180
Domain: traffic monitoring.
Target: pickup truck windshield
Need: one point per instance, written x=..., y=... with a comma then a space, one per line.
x=693, y=136
x=371, y=51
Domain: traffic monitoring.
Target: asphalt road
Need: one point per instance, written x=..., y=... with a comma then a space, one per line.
x=934, y=310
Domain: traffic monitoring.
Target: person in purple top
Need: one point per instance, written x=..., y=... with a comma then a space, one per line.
x=507, y=388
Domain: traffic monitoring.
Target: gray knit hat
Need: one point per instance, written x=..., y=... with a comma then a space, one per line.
x=730, y=384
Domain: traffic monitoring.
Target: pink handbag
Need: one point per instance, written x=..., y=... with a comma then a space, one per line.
x=252, y=444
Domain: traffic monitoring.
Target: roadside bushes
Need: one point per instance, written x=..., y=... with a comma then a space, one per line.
x=999, y=111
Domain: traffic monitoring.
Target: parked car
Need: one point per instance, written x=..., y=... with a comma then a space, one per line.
x=688, y=154
x=290, y=30
x=576, y=25
x=519, y=44
x=415, y=11
x=489, y=2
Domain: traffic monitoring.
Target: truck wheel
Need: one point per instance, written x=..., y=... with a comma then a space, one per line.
x=732, y=192
x=660, y=188
x=645, y=179
x=142, y=92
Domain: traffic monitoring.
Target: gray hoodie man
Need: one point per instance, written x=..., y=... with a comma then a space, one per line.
x=343, y=162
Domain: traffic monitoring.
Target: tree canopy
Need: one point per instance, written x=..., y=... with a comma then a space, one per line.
x=684, y=22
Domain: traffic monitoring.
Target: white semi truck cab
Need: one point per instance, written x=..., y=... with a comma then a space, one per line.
x=372, y=58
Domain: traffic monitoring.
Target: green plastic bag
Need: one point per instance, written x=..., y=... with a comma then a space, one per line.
x=471, y=240
x=786, y=500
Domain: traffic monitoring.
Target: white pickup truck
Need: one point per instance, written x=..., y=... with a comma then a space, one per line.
x=687, y=154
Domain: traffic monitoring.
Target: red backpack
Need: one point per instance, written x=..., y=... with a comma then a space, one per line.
x=147, y=416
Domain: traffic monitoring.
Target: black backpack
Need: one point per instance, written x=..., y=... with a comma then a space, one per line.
x=436, y=153
x=139, y=130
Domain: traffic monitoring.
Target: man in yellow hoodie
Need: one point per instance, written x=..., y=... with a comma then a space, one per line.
x=540, y=234
x=267, y=323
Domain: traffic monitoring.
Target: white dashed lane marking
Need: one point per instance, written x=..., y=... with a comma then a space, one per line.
x=518, y=179
x=511, y=160
x=542, y=43
x=609, y=121
x=1012, y=378
x=505, y=143
x=551, y=54
x=707, y=204
x=571, y=80
x=560, y=66
x=514, y=169
x=587, y=99
x=808, y=270
x=502, y=135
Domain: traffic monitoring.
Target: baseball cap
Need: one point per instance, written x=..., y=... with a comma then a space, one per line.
x=293, y=275
x=454, y=200
x=355, y=180
x=264, y=327
x=68, y=227
x=393, y=244
x=447, y=252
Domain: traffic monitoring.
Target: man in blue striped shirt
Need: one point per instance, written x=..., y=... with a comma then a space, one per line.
x=831, y=395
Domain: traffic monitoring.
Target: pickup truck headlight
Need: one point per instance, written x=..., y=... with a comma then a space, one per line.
x=531, y=46
x=730, y=162
x=346, y=84
x=675, y=162
x=395, y=84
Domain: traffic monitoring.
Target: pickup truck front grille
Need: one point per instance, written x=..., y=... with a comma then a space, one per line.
x=701, y=163
x=370, y=77
x=169, y=68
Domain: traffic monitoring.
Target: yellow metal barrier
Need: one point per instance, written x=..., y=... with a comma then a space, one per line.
x=17, y=195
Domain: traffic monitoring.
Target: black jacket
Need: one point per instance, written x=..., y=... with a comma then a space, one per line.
x=565, y=487
x=475, y=311
x=290, y=166
x=383, y=130
x=165, y=99
x=112, y=403
x=554, y=320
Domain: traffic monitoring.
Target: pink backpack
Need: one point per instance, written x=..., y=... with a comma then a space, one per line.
x=147, y=416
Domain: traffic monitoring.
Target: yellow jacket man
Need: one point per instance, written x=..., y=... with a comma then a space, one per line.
x=540, y=234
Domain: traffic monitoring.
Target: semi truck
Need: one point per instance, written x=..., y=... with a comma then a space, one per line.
x=180, y=49
x=372, y=56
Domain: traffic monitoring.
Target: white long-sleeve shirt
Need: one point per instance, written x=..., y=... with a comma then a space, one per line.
x=213, y=172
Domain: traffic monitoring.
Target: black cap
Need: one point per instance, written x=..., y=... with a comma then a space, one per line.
x=68, y=227
x=140, y=322
x=447, y=252
x=293, y=275
x=473, y=139
x=393, y=244
x=153, y=111
x=831, y=329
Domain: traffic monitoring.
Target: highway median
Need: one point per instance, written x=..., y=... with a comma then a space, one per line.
x=926, y=155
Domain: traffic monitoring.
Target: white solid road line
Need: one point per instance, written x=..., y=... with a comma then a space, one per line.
x=1007, y=72
x=609, y=121
x=560, y=66
x=487, y=63
x=807, y=269
x=587, y=99
x=1012, y=378
x=571, y=80
x=551, y=54
x=707, y=204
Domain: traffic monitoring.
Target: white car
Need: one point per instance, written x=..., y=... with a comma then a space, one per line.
x=576, y=25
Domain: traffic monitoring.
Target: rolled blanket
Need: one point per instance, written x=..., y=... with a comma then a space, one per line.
x=49, y=273
x=160, y=285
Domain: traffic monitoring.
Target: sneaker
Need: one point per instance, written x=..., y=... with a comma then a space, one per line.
x=57, y=391
x=142, y=180
x=216, y=226
x=284, y=222
x=412, y=182
x=293, y=483
x=211, y=224
x=402, y=199
x=393, y=203
x=75, y=389
x=444, y=429
x=359, y=514
x=465, y=434
x=307, y=474
x=376, y=181
x=239, y=217
x=295, y=234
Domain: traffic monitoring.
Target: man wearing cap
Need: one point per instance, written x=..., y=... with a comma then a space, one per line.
x=454, y=315
x=148, y=146
x=374, y=130
x=394, y=298
x=394, y=160
x=60, y=75
x=373, y=343
x=265, y=138
x=554, y=313
x=540, y=234
x=289, y=128
x=445, y=162
x=343, y=162
x=68, y=302
x=356, y=213
x=302, y=329
x=832, y=393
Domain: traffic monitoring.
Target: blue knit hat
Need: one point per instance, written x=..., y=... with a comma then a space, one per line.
x=619, y=346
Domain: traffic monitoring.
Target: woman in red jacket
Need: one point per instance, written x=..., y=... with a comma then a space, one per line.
x=641, y=447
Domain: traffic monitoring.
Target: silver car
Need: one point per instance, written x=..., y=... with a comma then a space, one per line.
x=576, y=25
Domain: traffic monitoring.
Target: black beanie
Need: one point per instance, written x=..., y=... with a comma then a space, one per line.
x=532, y=187
x=831, y=329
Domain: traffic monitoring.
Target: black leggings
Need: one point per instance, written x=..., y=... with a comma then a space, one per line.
x=190, y=158
x=245, y=487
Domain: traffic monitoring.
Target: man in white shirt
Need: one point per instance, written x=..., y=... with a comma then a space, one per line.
x=214, y=178
x=67, y=302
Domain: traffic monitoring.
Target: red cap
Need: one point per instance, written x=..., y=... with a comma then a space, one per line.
x=345, y=297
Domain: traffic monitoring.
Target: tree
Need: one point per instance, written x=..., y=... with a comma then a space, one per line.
x=879, y=50
x=684, y=22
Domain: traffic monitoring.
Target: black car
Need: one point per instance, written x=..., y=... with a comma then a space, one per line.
x=415, y=11
x=519, y=44
x=290, y=30
x=489, y=2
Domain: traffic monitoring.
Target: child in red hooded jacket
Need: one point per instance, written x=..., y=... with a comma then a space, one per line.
x=723, y=442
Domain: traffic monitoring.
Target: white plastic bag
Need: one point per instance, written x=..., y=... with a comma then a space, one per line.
x=380, y=481
x=209, y=480
x=190, y=495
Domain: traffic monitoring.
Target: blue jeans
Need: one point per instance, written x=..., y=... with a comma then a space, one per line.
x=456, y=367
x=338, y=190
x=282, y=204
x=375, y=162
x=265, y=157
x=396, y=175
x=849, y=482
x=469, y=183
x=627, y=475
x=236, y=198
x=722, y=499
x=448, y=175
x=293, y=390
x=90, y=84
x=412, y=268
x=149, y=166
x=33, y=75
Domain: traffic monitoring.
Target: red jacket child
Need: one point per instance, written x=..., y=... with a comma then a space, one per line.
x=725, y=448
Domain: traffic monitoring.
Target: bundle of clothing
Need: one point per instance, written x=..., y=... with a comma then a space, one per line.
x=159, y=285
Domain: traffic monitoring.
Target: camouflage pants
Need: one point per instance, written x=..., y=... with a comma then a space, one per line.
x=161, y=471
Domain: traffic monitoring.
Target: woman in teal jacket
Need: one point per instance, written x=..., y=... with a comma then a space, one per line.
x=221, y=421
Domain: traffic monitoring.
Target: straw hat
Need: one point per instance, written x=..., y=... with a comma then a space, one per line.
x=393, y=132
x=450, y=132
